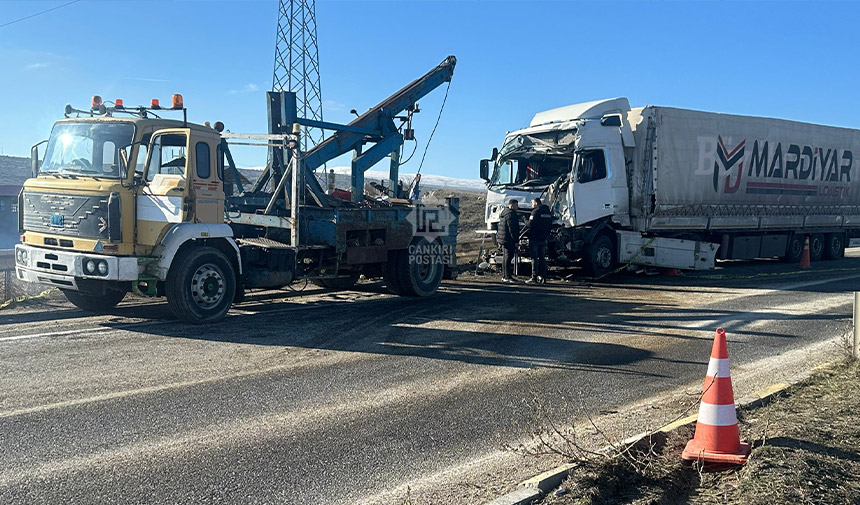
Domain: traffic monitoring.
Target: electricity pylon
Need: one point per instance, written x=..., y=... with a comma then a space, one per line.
x=297, y=66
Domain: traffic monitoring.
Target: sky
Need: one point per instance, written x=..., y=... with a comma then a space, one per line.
x=794, y=60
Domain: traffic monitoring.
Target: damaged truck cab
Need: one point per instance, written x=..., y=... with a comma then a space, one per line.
x=573, y=159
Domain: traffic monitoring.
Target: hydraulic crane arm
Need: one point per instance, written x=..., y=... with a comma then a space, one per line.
x=377, y=124
x=374, y=126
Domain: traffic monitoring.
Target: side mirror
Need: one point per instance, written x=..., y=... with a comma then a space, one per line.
x=495, y=154
x=123, y=156
x=34, y=160
x=35, y=163
x=137, y=179
x=613, y=120
x=485, y=170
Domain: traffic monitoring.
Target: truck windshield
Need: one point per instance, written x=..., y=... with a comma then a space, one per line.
x=530, y=171
x=87, y=149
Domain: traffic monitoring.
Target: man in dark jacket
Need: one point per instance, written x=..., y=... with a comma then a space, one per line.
x=508, y=237
x=540, y=224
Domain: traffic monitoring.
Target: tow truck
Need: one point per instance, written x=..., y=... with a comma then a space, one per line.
x=124, y=200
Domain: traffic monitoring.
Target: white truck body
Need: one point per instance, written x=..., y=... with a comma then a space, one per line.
x=756, y=187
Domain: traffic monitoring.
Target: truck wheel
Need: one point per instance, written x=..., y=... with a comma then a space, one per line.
x=601, y=256
x=201, y=285
x=340, y=283
x=389, y=272
x=794, y=249
x=816, y=247
x=834, y=246
x=420, y=269
x=95, y=303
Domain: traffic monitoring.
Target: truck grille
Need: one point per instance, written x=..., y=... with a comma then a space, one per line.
x=72, y=215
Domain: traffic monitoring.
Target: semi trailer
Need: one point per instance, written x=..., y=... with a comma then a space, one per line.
x=678, y=188
x=127, y=201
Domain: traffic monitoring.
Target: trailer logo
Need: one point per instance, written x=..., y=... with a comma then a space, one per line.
x=772, y=168
x=729, y=159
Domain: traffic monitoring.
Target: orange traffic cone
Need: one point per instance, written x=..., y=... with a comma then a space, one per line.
x=804, y=256
x=717, y=439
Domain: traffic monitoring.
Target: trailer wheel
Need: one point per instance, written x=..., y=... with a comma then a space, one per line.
x=794, y=249
x=834, y=246
x=94, y=303
x=420, y=268
x=601, y=256
x=389, y=272
x=816, y=247
x=201, y=285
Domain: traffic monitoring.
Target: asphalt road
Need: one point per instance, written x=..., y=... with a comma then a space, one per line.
x=356, y=397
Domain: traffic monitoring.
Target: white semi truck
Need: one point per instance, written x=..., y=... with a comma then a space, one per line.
x=678, y=188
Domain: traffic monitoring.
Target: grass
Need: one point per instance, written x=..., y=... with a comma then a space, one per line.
x=806, y=450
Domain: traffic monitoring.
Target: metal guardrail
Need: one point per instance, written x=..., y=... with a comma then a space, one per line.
x=7, y=266
x=7, y=259
x=855, y=345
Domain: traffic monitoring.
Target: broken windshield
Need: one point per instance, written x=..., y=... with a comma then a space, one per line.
x=534, y=160
x=551, y=142
x=531, y=171
x=87, y=149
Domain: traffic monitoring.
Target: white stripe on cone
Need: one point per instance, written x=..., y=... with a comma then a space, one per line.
x=718, y=367
x=717, y=415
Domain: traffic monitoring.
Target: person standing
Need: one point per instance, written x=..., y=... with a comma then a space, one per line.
x=508, y=236
x=540, y=224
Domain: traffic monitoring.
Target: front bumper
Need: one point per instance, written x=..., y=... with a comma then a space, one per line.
x=64, y=269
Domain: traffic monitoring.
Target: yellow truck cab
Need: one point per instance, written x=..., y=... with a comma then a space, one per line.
x=113, y=202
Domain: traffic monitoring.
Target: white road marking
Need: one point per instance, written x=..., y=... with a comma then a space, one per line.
x=55, y=334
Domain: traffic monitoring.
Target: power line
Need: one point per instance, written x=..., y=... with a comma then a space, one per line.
x=434, y=127
x=39, y=13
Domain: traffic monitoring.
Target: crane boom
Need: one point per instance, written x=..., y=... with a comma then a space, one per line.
x=377, y=124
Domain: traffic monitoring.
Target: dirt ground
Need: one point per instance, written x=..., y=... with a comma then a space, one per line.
x=806, y=450
x=472, y=207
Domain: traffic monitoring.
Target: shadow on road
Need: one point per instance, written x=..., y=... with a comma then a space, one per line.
x=488, y=324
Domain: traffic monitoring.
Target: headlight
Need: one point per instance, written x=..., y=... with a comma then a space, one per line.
x=21, y=256
x=103, y=268
x=90, y=267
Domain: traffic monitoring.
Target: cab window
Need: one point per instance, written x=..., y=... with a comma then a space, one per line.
x=592, y=166
x=202, y=160
x=168, y=156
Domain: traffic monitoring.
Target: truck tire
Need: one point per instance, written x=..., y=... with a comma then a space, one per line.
x=794, y=248
x=834, y=246
x=601, y=256
x=816, y=247
x=340, y=283
x=201, y=285
x=389, y=272
x=419, y=273
x=95, y=303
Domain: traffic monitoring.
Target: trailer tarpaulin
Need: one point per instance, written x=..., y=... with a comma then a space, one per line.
x=720, y=164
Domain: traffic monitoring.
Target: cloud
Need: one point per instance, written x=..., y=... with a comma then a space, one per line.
x=333, y=106
x=36, y=66
x=145, y=79
x=248, y=88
